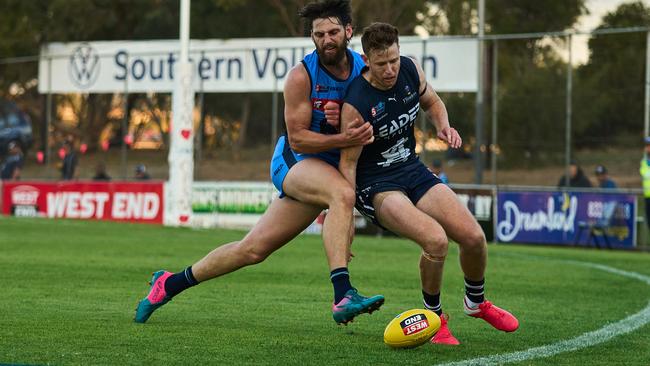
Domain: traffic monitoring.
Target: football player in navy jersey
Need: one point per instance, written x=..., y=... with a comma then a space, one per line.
x=304, y=170
x=397, y=191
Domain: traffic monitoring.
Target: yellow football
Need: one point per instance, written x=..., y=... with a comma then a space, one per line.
x=411, y=328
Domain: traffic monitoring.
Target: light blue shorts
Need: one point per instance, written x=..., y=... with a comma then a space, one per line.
x=284, y=158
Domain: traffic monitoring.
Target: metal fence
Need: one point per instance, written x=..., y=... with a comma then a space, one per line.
x=541, y=111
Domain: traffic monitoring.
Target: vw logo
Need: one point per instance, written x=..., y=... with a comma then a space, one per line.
x=84, y=66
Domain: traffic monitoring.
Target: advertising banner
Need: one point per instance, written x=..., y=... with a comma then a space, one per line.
x=131, y=202
x=230, y=204
x=238, y=205
x=227, y=66
x=480, y=202
x=241, y=204
x=567, y=218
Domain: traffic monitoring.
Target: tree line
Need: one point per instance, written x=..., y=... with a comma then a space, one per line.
x=607, y=97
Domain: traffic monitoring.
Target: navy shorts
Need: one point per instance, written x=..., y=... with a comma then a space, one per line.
x=414, y=180
x=284, y=158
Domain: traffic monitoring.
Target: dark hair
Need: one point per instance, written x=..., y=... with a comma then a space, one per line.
x=339, y=9
x=378, y=36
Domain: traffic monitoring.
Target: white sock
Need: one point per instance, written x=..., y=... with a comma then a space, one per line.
x=470, y=307
x=471, y=304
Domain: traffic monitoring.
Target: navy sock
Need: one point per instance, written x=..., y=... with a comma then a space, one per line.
x=340, y=278
x=474, y=290
x=179, y=282
x=432, y=302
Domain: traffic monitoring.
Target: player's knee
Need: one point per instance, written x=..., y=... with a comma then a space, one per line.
x=435, y=247
x=251, y=253
x=255, y=256
x=474, y=241
x=343, y=197
x=432, y=257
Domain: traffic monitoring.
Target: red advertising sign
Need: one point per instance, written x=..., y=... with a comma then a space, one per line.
x=133, y=202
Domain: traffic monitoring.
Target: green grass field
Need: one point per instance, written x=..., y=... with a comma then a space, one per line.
x=69, y=288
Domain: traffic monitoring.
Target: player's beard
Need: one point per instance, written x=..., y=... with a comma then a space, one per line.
x=331, y=59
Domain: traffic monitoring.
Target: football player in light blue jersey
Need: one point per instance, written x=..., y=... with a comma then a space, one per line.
x=304, y=169
x=397, y=191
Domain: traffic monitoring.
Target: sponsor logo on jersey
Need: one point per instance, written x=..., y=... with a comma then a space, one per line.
x=397, y=153
x=378, y=109
x=397, y=126
x=319, y=103
x=320, y=88
x=409, y=96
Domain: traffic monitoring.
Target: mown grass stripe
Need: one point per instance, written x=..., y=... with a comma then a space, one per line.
x=604, y=334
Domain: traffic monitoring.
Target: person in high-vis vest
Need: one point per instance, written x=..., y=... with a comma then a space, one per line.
x=645, y=176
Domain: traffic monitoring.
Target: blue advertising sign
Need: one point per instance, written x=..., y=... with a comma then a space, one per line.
x=567, y=218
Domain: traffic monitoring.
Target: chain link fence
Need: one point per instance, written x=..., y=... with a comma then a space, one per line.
x=538, y=115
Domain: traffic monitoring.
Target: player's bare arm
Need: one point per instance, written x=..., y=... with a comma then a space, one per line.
x=350, y=155
x=435, y=109
x=298, y=118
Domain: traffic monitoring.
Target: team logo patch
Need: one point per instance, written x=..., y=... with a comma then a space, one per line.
x=322, y=88
x=378, y=109
x=319, y=103
x=409, y=96
x=414, y=324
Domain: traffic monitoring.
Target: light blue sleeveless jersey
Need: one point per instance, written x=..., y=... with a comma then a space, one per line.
x=326, y=87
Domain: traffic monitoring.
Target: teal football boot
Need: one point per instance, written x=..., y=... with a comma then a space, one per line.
x=156, y=298
x=354, y=304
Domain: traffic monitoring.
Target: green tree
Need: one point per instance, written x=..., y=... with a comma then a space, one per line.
x=531, y=74
x=610, y=90
x=26, y=25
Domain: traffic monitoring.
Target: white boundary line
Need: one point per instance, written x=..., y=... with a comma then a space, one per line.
x=627, y=325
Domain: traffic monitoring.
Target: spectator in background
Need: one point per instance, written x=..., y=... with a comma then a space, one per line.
x=100, y=172
x=70, y=161
x=13, y=164
x=577, y=178
x=436, y=168
x=645, y=176
x=141, y=172
x=603, y=178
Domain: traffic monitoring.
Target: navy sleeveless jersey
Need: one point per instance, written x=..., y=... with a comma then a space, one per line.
x=326, y=87
x=392, y=113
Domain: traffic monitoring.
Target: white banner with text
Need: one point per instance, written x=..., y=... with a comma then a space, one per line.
x=227, y=66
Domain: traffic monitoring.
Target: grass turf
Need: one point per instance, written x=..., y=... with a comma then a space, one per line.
x=69, y=288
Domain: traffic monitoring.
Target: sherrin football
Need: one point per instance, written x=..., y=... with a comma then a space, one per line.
x=411, y=328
